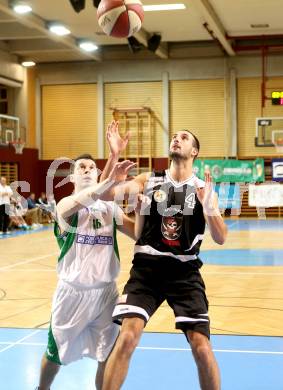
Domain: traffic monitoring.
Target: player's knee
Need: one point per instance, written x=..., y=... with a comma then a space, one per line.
x=201, y=348
x=202, y=353
x=127, y=342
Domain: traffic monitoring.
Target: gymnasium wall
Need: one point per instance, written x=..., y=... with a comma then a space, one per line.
x=198, y=105
x=249, y=108
x=137, y=94
x=12, y=73
x=27, y=166
x=196, y=95
x=10, y=68
x=192, y=81
x=69, y=120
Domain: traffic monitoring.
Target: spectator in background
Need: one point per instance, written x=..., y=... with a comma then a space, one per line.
x=5, y=200
x=17, y=213
x=34, y=213
x=31, y=201
x=51, y=205
x=42, y=202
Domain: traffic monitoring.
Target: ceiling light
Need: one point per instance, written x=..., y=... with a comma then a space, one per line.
x=28, y=64
x=22, y=8
x=164, y=7
x=88, y=46
x=59, y=29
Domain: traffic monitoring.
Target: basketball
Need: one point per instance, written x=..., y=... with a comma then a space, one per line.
x=120, y=18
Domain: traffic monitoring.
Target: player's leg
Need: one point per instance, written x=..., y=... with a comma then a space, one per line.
x=48, y=372
x=102, y=331
x=99, y=375
x=208, y=371
x=50, y=363
x=118, y=362
x=140, y=299
x=186, y=295
x=66, y=325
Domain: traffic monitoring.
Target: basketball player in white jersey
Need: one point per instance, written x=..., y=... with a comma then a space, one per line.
x=81, y=322
x=166, y=262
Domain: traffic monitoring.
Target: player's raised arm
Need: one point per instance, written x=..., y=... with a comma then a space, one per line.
x=117, y=145
x=86, y=196
x=208, y=199
x=133, y=227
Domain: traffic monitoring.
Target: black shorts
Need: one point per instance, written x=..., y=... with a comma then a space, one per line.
x=156, y=279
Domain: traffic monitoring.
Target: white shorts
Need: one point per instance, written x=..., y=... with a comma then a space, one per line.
x=81, y=324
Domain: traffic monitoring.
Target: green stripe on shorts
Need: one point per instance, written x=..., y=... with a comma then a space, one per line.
x=52, y=350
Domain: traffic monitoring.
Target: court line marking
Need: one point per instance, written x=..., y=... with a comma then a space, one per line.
x=127, y=271
x=215, y=350
x=231, y=224
x=27, y=261
x=11, y=345
x=241, y=273
x=32, y=270
x=149, y=348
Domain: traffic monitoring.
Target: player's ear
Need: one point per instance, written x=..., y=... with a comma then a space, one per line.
x=72, y=178
x=194, y=152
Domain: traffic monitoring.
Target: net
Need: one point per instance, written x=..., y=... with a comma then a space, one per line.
x=18, y=146
x=279, y=145
x=277, y=140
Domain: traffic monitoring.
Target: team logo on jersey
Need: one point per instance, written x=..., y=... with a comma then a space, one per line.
x=171, y=227
x=159, y=196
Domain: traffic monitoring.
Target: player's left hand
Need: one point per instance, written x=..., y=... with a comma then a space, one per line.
x=206, y=196
x=120, y=171
x=142, y=201
x=116, y=143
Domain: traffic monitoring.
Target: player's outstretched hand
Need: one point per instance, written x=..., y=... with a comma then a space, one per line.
x=142, y=201
x=206, y=196
x=120, y=171
x=117, y=144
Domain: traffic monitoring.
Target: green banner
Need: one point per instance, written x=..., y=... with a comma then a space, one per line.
x=232, y=171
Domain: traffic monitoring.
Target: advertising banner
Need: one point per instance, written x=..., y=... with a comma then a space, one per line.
x=228, y=196
x=231, y=171
x=266, y=195
x=277, y=169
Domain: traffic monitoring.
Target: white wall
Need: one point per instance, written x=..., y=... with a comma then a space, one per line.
x=148, y=70
x=10, y=68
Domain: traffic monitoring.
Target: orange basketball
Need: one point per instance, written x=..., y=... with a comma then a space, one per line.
x=120, y=18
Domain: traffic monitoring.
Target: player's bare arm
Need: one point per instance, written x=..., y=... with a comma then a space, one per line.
x=142, y=202
x=73, y=203
x=132, y=227
x=129, y=189
x=127, y=227
x=214, y=220
x=117, y=145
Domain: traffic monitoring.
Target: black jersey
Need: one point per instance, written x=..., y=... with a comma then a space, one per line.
x=174, y=221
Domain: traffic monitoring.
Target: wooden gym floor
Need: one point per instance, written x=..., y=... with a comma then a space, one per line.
x=243, y=279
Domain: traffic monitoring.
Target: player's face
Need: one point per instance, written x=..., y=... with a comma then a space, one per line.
x=85, y=174
x=3, y=181
x=181, y=146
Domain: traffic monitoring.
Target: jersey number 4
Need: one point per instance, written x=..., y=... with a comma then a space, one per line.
x=191, y=201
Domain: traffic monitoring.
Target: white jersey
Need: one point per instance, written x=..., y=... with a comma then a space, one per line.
x=89, y=255
x=5, y=194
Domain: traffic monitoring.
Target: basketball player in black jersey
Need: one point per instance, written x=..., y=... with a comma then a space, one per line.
x=166, y=262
